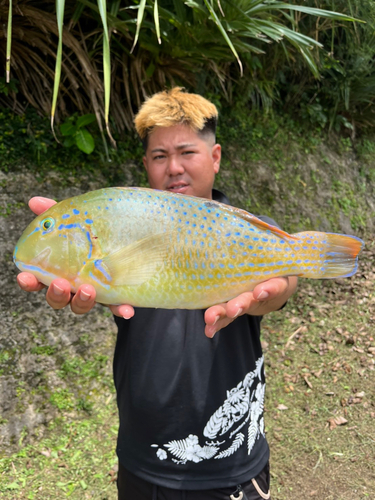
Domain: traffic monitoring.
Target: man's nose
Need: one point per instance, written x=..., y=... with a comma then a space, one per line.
x=175, y=166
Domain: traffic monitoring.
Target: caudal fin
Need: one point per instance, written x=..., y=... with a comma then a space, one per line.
x=341, y=257
x=327, y=255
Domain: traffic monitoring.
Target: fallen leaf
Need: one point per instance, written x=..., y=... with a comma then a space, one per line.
x=354, y=401
x=357, y=349
x=282, y=407
x=335, y=421
x=308, y=383
x=359, y=394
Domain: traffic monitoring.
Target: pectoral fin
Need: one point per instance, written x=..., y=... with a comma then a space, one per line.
x=138, y=262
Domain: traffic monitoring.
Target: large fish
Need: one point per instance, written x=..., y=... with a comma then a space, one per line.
x=152, y=248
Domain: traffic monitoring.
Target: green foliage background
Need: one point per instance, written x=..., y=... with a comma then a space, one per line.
x=278, y=44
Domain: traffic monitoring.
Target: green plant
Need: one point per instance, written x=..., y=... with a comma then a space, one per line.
x=62, y=399
x=342, y=98
x=75, y=132
x=6, y=87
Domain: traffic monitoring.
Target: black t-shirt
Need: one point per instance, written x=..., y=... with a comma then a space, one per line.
x=190, y=407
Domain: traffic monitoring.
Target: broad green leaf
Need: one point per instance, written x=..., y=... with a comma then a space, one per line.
x=85, y=141
x=9, y=41
x=69, y=141
x=68, y=128
x=85, y=120
x=60, y=6
x=141, y=10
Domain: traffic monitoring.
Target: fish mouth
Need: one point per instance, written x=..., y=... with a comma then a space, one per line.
x=36, y=263
x=37, y=266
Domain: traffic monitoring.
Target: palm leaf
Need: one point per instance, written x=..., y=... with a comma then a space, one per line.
x=312, y=11
x=141, y=10
x=9, y=41
x=224, y=33
x=102, y=4
x=156, y=18
x=60, y=7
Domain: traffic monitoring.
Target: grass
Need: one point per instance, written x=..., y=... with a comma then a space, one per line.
x=75, y=460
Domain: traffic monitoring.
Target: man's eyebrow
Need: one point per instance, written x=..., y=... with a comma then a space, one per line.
x=158, y=150
x=178, y=147
x=186, y=145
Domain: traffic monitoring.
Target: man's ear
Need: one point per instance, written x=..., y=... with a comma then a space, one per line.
x=216, y=157
x=144, y=159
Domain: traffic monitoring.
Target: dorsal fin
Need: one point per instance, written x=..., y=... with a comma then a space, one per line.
x=260, y=224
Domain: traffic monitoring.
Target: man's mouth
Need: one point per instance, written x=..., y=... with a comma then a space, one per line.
x=177, y=187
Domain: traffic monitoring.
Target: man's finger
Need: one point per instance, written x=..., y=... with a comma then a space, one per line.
x=271, y=288
x=124, y=311
x=239, y=305
x=29, y=283
x=58, y=294
x=84, y=300
x=214, y=313
x=38, y=204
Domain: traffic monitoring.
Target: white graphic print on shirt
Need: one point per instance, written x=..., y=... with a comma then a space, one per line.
x=243, y=407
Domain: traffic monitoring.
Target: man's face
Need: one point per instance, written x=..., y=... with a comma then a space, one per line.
x=180, y=161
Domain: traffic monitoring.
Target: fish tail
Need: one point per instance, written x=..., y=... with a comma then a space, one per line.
x=333, y=255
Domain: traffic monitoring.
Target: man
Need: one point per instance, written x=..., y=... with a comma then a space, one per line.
x=190, y=405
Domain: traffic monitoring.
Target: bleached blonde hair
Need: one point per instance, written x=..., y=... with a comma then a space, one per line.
x=172, y=107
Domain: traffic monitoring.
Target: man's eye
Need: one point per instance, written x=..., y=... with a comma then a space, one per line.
x=159, y=157
x=188, y=152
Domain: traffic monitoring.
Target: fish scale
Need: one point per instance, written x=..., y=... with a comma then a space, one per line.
x=152, y=248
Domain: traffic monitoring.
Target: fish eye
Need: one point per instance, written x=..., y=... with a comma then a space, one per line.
x=47, y=224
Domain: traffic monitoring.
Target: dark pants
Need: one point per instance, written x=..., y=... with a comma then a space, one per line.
x=131, y=487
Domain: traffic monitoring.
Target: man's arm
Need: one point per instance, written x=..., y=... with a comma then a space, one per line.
x=266, y=297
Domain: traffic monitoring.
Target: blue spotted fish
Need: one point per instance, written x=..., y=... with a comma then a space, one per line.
x=152, y=248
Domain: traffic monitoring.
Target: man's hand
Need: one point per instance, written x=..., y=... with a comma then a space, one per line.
x=58, y=294
x=266, y=297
